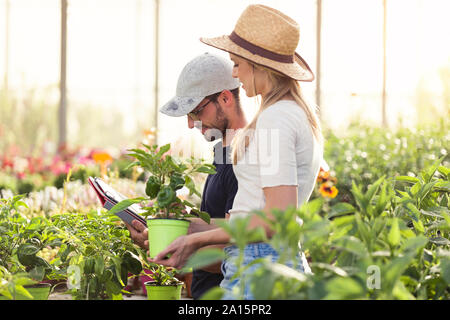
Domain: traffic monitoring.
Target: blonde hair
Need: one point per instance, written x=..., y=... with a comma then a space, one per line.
x=281, y=86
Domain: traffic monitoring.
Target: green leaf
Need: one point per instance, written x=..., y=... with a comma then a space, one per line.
x=132, y=262
x=162, y=150
x=429, y=172
x=445, y=269
x=112, y=288
x=394, y=270
x=191, y=186
x=442, y=186
x=37, y=273
x=21, y=290
x=202, y=215
x=339, y=209
x=372, y=190
x=414, y=244
x=118, y=269
x=407, y=179
x=343, y=289
x=411, y=208
x=444, y=171
x=208, y=169
x=440, y=241
x=352, y=244
x=99, y=265
x=20, y=203
x=188, y=204
x=122, y=205
x=363, y=230
x=313, y=207
x=359, y=197
x=286, y=272
x=27, y=249
x=415, y=189
x=400, y=292
x=394, y=233
x=131, y=165
x=325, y=266
x=215, y=293
x=382, y=200
x=425, y=190
x=418, y=225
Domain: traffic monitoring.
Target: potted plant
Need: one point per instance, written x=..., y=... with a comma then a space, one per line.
x=97, y=254
x=20, y=286
x=168, y=212
x=21, y=242
x=164, y=285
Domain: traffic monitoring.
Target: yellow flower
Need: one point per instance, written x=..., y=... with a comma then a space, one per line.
x=101, y=157
x=323, y=176
x=328, y=190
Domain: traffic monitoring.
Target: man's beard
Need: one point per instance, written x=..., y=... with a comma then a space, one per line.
x=219, y=128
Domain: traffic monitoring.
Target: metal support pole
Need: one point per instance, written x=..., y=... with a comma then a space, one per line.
x=62, y=117
x=318, y=51
x=383, y=97
x=5, y=75
x=156, y=93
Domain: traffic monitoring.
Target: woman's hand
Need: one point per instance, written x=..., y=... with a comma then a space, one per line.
x=180, y=249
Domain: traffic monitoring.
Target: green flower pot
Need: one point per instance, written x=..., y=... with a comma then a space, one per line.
x=38, y=291
x=161, y=232
x=156, y=292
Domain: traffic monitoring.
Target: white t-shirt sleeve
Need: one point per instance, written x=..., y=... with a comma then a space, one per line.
x=276, y=143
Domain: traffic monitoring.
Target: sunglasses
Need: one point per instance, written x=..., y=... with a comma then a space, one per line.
x=194, y=114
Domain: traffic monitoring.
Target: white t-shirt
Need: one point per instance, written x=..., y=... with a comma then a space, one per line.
x=283, y=151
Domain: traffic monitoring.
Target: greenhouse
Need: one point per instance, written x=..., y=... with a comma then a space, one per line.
x=224, y=150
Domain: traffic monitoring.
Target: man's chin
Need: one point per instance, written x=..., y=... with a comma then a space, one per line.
x=212, y=135
x=210, y=138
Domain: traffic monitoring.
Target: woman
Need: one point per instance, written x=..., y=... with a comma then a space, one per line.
x=276, y=157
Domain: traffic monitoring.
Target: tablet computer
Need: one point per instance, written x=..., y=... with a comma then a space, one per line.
x=110, y=197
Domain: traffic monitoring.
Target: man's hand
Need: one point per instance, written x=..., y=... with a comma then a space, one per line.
x=139, y=233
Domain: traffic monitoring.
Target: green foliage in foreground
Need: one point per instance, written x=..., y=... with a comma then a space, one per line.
x=393, y=244
x=94, y=251
x=363, y=153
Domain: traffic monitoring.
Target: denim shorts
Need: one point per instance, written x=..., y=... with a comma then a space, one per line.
x=251, y=252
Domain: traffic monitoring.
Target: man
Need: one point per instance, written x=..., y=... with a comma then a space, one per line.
x=209, y=96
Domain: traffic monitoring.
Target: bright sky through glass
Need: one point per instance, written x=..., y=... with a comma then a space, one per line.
x=111, y=53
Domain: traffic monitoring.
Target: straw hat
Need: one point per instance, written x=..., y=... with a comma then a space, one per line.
x=267, y=37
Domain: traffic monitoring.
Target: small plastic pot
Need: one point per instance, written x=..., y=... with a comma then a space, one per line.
x=39, y=291
x=156, y=292
x=161, y=232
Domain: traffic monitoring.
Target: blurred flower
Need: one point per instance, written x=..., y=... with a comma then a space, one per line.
x=149, y=136
x=101, y=157
x=328, y=190
x=325, y=176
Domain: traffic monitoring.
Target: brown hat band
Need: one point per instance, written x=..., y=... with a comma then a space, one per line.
x=260, y=51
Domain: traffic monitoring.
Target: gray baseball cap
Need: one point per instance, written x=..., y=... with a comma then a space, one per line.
x=204, y=75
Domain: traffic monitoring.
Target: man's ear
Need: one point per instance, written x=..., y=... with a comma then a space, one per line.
x=226, y=97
